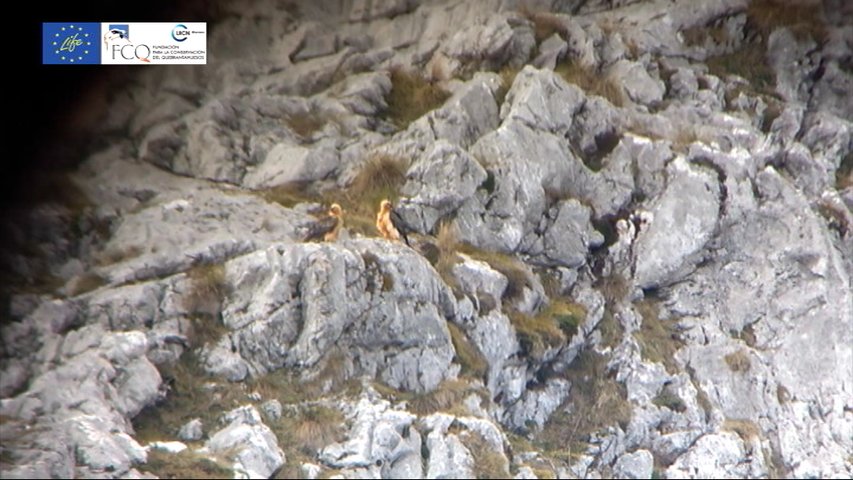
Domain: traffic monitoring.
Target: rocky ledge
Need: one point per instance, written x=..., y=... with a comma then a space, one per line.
x=631, y=250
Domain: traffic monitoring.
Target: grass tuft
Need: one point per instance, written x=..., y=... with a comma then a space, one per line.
x=467, y=354
x=488, y=463
x=516, y=273
x=596, y=401
x=184, y=465
x=738, y=361
x=746, y=429
x=591, y=82
x=657, y=338
x=545, y=24
x=446, y=396
x=411, y=97
x=307, y=123
x=203, y=302
x=86, y=283
x=669, y=400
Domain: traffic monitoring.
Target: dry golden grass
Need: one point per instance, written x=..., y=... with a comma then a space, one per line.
x=545, y=24
x=657, y=338
x=488, y=463
x=193, y=393
x=116, y=255
x=184, y=465
x=591, y=82
x=411, y=97
x=844, y=174
x=307, y=123
x=738, y=361
x=802, y=18
x=317, y=426
x=508, y=75
x=381, y=177
x=447, y=395
x=746, y=429
x=517, y=274
x=669, y=400
x=288, y=195
x=749, y=62
x=596, y=401
x=536, y=334
x=467, y=354
x=86, y=282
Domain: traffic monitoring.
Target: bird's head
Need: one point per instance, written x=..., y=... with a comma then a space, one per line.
x=385, y=206
x=335, y=210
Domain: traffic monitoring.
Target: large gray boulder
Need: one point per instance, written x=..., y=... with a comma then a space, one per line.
x=252, y=445
x=376, y=307
x=684, y=220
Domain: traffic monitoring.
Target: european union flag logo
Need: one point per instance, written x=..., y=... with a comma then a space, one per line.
x=71, y=43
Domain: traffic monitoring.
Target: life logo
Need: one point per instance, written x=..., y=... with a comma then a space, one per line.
x=180, y=32
x=118, y=45
x=70, y=43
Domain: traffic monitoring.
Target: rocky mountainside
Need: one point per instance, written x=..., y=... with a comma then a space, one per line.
x=631, y=253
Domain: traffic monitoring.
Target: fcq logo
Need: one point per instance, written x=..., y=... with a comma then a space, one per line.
x=180, y=32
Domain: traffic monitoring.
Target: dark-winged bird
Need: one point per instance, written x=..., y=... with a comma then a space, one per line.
x=390, y=224
x=327, y=228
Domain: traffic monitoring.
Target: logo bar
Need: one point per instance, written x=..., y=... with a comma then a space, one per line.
x=124, y=43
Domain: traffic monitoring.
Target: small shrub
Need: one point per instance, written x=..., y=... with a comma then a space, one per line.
x=803, y=19
x=411, y=97
x=657, y=338
x=447, y=244
x=447, y=395
x=508, y=75
x=307, y=123
x=192, y=393
x=86, y=283
x=207, y=288
x=545, y=24
x=592, y=82
x=467, y=354
x=513, y=269
x=749, y=62
x=783, y=395
x=381, y=177
x=317, y=426
x=290, y=194
x=488, y=463
x=738, y=361
x=595, y=402
x=567, y=315
x=535, y=334
x=844, y=174
x=669, y=400
x=184, y=465
x=746, y=429
x=116, y=255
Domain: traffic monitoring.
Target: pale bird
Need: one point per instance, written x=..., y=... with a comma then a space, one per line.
x=390, y=224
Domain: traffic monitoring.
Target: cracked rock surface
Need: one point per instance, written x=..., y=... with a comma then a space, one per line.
x=630, y=253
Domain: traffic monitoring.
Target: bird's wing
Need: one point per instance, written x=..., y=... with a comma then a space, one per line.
x=401, y=225
x=321, y=227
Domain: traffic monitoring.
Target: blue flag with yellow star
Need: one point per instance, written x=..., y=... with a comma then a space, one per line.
x=71, y=43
